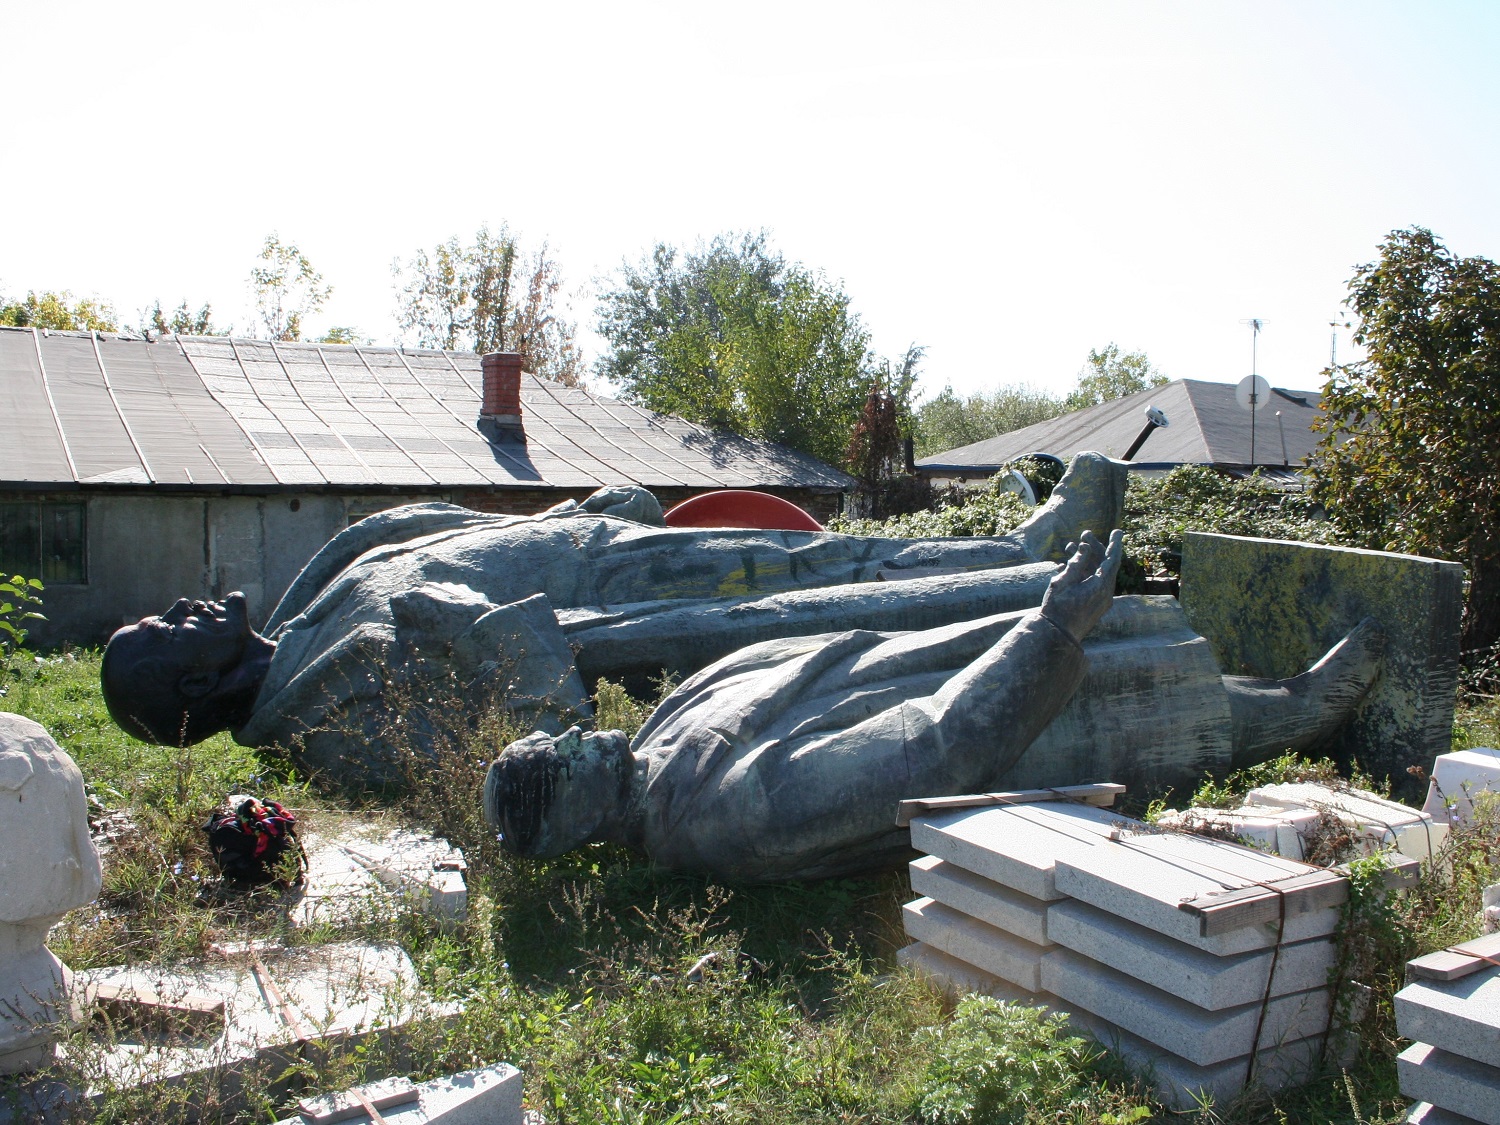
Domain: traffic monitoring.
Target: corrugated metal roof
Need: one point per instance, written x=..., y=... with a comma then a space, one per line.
x=1207, y=427
x=195, y=410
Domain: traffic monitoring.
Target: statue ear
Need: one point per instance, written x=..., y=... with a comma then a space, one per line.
x=195, y=685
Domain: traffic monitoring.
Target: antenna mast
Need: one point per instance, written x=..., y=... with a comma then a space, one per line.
x=1255, y=324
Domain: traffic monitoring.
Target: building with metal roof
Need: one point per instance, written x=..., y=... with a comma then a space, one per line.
x=133, y=472
x=1206, y=426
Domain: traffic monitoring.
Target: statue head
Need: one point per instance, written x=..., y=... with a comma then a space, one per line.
x=550, y=795
x=188, y=674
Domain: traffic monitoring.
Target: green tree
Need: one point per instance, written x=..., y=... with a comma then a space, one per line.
x=489, y=296
x=731, y=335
x=182, y=321
x=287, y=289
x=59, y=312
x=1108, y=375
x=947, y=421
x=1407, y=460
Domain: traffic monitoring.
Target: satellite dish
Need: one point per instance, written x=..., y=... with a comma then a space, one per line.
x=1253, y=393
x=1156, y=416
x=1016, y=484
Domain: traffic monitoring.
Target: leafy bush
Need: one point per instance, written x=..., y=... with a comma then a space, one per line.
x=18, y=596
x=995, y=1062
x=960, y=513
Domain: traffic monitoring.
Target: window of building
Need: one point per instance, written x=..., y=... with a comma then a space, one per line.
x=43, y=540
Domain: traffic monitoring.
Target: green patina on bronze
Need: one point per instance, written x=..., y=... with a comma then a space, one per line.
x=1270, y=608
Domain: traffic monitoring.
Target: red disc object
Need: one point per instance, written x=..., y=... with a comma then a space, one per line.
x=739, y=507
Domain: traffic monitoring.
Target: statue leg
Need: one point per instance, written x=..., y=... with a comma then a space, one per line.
x=1269, y=717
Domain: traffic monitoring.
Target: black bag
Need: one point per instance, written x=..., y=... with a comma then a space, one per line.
x=249, y=837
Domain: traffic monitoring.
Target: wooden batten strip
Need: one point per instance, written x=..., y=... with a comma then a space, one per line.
x=1100, y=795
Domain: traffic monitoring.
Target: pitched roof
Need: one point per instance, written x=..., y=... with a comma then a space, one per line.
x=1207, y=426
x=86, y=408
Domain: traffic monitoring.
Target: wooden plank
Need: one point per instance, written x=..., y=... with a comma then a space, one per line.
x=1220, y=913
x=1100, y=794
x=1457, y=961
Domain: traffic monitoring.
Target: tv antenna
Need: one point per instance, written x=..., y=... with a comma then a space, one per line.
x=1333, y=343
x=1253, y=393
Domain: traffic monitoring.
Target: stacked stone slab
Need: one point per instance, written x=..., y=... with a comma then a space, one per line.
x=1171, y=949
x=1451, y=1009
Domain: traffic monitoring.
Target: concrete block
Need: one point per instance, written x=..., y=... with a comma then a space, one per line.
x=1195, y=1034
x=1183, y=1085
x=1450, y=1081
x=1008, y=957
x=978, y=897
x=1272, y=609
x=1459, y=1016
x=1456, y=779
x=1279, y=831
x=1183, y=970
x=1016, y=846
x=956, y=978
x=1381, y=823
x=490, y=1096
x=354, y=866
x=1145, y=878
x=1425, y=1113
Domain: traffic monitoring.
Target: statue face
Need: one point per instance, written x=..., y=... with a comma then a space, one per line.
x=551, y=795
x=176, y=678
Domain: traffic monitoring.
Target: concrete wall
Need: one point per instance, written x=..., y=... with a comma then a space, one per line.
x=147, y=550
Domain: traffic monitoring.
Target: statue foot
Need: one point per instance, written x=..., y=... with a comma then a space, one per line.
x=1270, y=717
x=1090, y=497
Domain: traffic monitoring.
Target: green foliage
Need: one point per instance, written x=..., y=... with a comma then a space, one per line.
x=471, y=296
x=1407, y=457
x=733, y=336
x=344, y=334
x=287, y=289
x=975, y=512
x=59, y=312
x=1108, y=375
x=18, y=602
x=995, y=1063
x=1160, y=511
x=946, y=421
x=182, y=321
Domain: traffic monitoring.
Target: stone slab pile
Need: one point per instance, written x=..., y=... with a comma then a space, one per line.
x=354, y=869
x=1183, y=953
x=1451, y=1009
x=1286, y=818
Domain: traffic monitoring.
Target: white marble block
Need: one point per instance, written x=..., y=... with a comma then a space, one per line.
x=490, y=1096
x=1450, y=1081
x=1282, y=831
x=1459, y=1016
x=1456, y=779
x=1378, y=822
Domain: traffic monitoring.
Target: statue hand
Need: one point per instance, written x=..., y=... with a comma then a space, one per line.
x=1082, y=591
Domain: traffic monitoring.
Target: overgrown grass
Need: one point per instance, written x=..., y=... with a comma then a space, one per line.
x=624, y=993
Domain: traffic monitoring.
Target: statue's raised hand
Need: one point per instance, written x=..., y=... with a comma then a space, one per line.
x=1081, y=592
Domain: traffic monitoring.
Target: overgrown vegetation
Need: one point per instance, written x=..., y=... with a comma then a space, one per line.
x=627, y=994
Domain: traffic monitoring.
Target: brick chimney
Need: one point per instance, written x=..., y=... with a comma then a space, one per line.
x=502, y=389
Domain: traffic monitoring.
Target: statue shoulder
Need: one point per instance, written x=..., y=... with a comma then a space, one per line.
x=383, y=529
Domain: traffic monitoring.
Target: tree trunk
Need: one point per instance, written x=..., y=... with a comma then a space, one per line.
x=1481, y=627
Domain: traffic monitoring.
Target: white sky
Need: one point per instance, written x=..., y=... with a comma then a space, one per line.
x=1009, y=184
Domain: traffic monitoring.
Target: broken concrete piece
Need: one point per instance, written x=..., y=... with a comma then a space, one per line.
x=1199, y=1036
x=354, y=868
x=1015, y=846
x=1185, y=971
x=1459, y=1016
x=273, y=1000
x=1456, y=779
x=1378, y=822
x=48, y=866
x=1280, y=831
x=978, y=897
x=1450, y=1081
x=1004, y=955
x=490, y=1096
